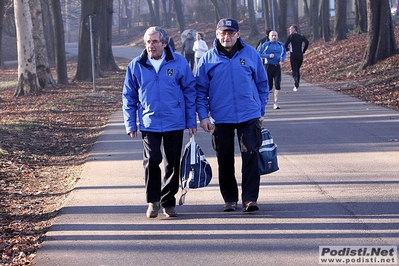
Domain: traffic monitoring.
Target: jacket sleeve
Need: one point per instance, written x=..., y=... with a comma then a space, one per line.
x=202, y=87
x=187, y=84
x=262, y=85
x=283, y=52
x=306, y=42
x=130, y=100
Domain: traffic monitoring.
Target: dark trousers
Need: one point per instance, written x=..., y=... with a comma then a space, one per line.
x=249, y=139
x=190, y=60
x=164, y=188
x=296, y=63
x=273, y=74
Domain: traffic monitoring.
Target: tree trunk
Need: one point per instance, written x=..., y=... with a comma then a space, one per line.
x=48, y=30
x=252, y=19
x=84, y=67
x=325, y=20
x=42, y=65
x=305, y=7
x=294, y=4
x=106, y=56
x=315, y=19
x=59, y=43
x=360, y=16
x=340, y=26
x=179, y=15
x=233, y=9
x=27, y=77
x=381, y=38
x=266, y=14
x=282, y=19
x=2, y=8
x=153, y=20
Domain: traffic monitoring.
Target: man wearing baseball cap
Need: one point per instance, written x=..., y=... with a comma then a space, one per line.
x=232, y=92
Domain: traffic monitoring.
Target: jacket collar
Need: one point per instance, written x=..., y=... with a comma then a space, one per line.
x=220, y=49
x=144, y=56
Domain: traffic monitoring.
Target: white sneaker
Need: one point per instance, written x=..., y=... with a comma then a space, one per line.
x=295, y=89
x=276, y=106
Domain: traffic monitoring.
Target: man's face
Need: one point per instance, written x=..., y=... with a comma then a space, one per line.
x=292, y=30
x=273, y=36
x=154, y=46
x=227, y=38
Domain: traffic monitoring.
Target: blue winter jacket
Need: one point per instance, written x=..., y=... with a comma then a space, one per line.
x=277, y=48
x=164, y=101
x=231, y=90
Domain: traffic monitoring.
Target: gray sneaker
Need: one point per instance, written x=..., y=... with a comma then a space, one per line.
x=153, y=208
x=169, y=212
x=230, y=206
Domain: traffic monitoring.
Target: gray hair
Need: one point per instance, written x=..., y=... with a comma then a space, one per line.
x=163, y=35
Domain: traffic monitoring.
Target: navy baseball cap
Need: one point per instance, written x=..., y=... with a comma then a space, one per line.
x=227, y=24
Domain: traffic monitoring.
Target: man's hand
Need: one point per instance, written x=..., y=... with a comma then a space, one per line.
x=192, y=131
x=206, y=125
x=133, y=134
x=261, y=119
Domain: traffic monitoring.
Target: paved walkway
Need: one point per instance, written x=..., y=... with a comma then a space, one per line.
x=337, y=185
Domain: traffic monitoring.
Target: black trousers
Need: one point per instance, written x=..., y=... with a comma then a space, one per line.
x=190, y=60
x=249, y=139
x=273, y=74
x=160, y=188
x=296, y=61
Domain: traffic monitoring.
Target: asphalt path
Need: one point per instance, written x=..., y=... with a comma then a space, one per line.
x=337, y=186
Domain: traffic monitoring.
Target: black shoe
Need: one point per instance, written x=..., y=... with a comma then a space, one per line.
x=230, y=206
x=250, y=206
x=170, y=212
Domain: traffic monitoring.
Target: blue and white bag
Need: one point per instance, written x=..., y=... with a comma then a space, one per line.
x=195, y=171
x=267, y=154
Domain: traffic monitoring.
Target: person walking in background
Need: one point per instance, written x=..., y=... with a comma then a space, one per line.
x=232, y=92
x=297, y=44
x=273, y=52
x=171, y=42
x=159, y=89
x=264, y=39
x=200, y=47
x=187, y=50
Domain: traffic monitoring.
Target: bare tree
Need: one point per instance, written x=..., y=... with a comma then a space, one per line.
x=381, y=38
x=360, y=16
x=325, y=20
x=59, y=43
x=340, y=25
x=27, y=77
x=252, y=19
x=48, y=30
x=233, y=9
x=294, y=5
x=179, y=14
x=106, y=56
x=282, y=19
x=219, y=11
x=153, y=18
x=266, y=14
x=2, y=8
x=315, y=19
x=84, y=67
x=42, y=65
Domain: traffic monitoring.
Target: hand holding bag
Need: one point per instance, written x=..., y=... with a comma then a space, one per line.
x=195, y=171
x=267, y=154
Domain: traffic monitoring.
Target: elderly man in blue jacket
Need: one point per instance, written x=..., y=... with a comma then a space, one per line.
x=159, y=89
x=232, y=91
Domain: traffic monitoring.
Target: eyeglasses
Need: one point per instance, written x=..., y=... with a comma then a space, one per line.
x=227, y=33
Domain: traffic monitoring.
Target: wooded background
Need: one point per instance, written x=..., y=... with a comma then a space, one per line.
x=41, y=28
